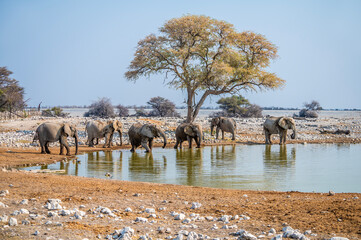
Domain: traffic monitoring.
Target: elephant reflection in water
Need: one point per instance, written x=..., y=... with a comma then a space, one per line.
x=223, y=155
x=189, y=163
x=275, y=159
x=145, y=163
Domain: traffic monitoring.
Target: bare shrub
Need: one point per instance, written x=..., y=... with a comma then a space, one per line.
x=122, y=111
x=101, y=108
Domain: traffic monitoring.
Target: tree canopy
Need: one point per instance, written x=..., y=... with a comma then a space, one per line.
x=162, y=107
x=11, y=94
x=102, y=108
x=205, y=56
x=238, y=106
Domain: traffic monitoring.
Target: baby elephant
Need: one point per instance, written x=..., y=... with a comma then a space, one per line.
x=225, y=125
x=143, y=135
x=188, y=131
x=279, y=125
x=98, y=129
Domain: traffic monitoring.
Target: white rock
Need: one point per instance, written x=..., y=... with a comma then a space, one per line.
x=13, y=222
x=4, y=218
x=53, y=204
x=149, y=210
x=179, y=216
x=128, y=210
x=140, y=219
x=2, y=205
x=338, y=238
x=196, y=205
x=187, y=220
x=24, y=211
x=24, y=202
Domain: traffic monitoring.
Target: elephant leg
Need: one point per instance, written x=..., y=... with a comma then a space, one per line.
x=42, y=146
x=217, y=132
x=121, y=138
x=64, y=142
x=189, y=141
x=268, y=137
x=150, y=142
x=145, y=145
x=222, y=135
x=46, y=145
x=198, y=142
x=281, y=137
x=233, y=135
x=97, y=139
x=176, y=144
x=61, y=148
x=107, y=140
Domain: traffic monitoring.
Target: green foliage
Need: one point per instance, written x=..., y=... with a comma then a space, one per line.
x=238, y=106
x=162, y=107
x=11, y=94
x=205, y=57
x=54, y=112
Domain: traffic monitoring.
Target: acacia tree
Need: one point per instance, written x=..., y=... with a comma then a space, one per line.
x=11, y=94
x=162, y=107
x=205, y=57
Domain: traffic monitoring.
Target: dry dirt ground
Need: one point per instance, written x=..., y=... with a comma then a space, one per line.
x=321, y=214
x=325, y=215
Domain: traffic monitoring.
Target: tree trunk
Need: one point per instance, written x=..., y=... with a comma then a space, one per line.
x=190, y=105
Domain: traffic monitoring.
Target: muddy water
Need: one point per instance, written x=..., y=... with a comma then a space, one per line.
x=306, y=168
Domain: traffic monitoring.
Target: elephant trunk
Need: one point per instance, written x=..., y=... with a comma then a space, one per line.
x=162, y=134
x=76, y=142
x=199, y=136
x=293, y=135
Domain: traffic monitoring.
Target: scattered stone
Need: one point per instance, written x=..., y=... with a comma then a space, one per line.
x=149, y=210
x=179, y=216
x=331, y=193
x=209, y=218
x=24, y=202
x=128, y=210
x=277, y=237
x=140, y=219
x=36, y=233
x=53, y=204
x=126, y=234
x=2, y=205
x=13, y=222
x=24, y=211
x=338, y=238
x=4, y=218
x=3, y=193
x=196, y=205
x=25, y=222
x=272, y=231
x=187, y=220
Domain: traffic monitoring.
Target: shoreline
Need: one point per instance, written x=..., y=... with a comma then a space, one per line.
x=94, y=208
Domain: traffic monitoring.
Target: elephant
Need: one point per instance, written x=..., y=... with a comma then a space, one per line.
x=51, y=132
x=188, y=131
x=279, y=125
x=225, y=125
x=98, y=129
x=143, y=134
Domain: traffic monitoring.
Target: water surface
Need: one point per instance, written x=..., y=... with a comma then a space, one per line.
x=306, y=168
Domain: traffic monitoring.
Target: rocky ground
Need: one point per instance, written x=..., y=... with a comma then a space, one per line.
x=48, y=206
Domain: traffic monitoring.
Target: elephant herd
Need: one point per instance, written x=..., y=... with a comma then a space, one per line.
x=144, y=134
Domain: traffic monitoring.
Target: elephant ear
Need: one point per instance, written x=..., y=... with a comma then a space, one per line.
x=283, y=123
x=67, y=130
x=146, y=131
x=117, y=125
x=189, y=131
x=107, y=129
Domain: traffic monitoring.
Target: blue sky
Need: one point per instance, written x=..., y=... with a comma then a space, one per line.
x=74, y=52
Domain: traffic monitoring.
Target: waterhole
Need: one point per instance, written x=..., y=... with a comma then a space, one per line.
x=305, y=168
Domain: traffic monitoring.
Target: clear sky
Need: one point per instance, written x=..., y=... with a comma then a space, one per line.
x=74, y=52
